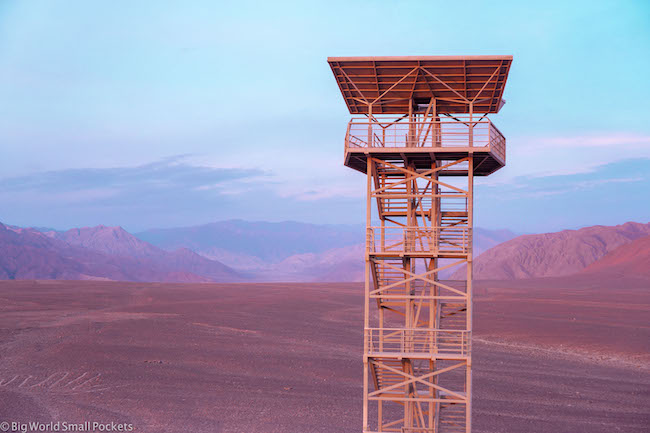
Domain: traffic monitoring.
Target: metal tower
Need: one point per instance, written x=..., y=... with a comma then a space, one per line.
x=416, y=122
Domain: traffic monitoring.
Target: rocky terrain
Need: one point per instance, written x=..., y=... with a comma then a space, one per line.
x=553, y=254
x=229, y=252
x=560, y=355
x=628, y=259
x=104, y=254
x=225, y=251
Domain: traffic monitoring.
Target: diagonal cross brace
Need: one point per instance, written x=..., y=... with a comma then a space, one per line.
x=420, y=379
x=422, y=175
x=421, y=277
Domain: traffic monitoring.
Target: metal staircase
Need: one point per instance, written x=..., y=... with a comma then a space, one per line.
x=418, y=353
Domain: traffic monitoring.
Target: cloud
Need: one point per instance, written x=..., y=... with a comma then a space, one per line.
x=596, y=182
x=608, y=194
x=618, y=140
x=164, y=175
x=539, y=186
x=562, y=155
x=571, y=184
x=176, y=191
x=157, y=193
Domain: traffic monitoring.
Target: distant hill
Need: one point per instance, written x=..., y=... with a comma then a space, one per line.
x=290, y=251
x=553, y=254
x=256, y=242
x=338, y=264
x=109, y=240
x=116, y=241
x=628, y=259
x=287, y=251
x=225, y=251
x=30, y=254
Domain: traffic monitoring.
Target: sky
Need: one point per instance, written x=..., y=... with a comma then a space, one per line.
x=166, y=113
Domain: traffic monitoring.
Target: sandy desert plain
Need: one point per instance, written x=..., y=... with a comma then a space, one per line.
x=550, y=355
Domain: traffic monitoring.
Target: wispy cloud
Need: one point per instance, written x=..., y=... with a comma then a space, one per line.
x=140, y=196
x=562, y=155
x=609, y=194
x=570, y=187
x=617, y=139
x=167, y=174
x=321, y=192
x=597, y=182
x=171, y=191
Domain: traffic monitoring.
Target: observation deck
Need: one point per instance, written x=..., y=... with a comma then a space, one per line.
x=422, y=143
x=425, y=110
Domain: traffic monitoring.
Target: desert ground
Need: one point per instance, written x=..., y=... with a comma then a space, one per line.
x=550, y=355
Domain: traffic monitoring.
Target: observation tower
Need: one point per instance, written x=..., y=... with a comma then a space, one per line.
x=420, y=133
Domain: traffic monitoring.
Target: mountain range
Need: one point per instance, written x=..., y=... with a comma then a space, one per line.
x=628, y=259
x=115, y=241
x=269, y=242
x=289, y=250
x=232, y=251
x=557, y=254
x=102, y=253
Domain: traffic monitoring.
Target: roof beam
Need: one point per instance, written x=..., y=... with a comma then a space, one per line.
x=445, y=84
x=391, y=87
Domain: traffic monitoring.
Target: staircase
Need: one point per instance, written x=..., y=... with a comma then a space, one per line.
x=419, y=327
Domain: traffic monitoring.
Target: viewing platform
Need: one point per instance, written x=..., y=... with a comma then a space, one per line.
x=424, y=142
x=424, y=110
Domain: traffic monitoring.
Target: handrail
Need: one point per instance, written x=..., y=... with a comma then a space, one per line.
x=455, y=239
x=363, y=132
x=418, y=340
x=419, y=329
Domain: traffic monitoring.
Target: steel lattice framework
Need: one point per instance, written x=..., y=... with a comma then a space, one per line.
x=422, y=120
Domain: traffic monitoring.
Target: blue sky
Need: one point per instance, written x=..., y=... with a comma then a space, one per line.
x=154, y=114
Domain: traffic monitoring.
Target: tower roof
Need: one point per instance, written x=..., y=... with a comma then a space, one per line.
x=389, y=83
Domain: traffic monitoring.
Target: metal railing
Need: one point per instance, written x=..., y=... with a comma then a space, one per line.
x=435, y=240
x=418, y=340
x=498, y=143
x=446, y=132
